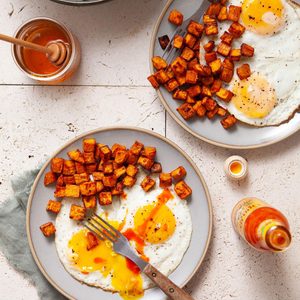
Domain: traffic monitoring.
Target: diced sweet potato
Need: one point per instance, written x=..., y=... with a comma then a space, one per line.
x=99, y=186
x=156, y=168
x=206, y=91
x=145, y=162
x=207, y=80
x=223, y=49
x=69, y=179
x=234, y=13
x=153, y=81
x=228, y=63
x=236, y=29
x=121, y=156
x=224, y=94
x=195, y=29
x=76, y=155
x=191, y=76
x=89, y=157
x=209, y=103
x=105, y=153
x=171, y=85
x=72, y=191
x=149, y=152
x=57, y=164
x=213, y=9
x=49, y=178
x=129, y=181
x=222, y=16
x=211, y=29
x=118, y=189
x=179, y=173
x=60, y=181
x=209, y=19
x=89, y=145
x=175, y=17
x=190, y=100
x=98, y=176
x=179, y=66
x=97, y=150
x=180, y=79
x=120, y=172
x=210, y=114
x=182, y=189
x=108, y=168
x=132, y=158
x=228, y=121
x=131, y=170
x=217, y=84
x=89, y=202
x=165, y=180
x=88, y=188
x=161, y=76
x=180, y=95
x=209, y=47
x=90, y=168
x=109, y=181
x=148, y=183
x=178, y=41
x=77, y=212
x=226, y=75
x=221, y=111
x=216, y=66
x=137, y=147
x=117, y=147
x=159, y=63
x=200, y=109
x=243, y=71
x=194, y=91
x=164, y=41
x=53, y=206
x=69, y=167
x=186, y=111
x=211, y=56
x=227, y=38
x=48, y=229
x=60, y=192
x=92, y=241
x=247, y=50
x=190, y=40
x=235, y=54
x=80, y=168
x=105, y=198
x=187, y=53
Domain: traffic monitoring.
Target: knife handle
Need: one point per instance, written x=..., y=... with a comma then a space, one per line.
x=165, y=284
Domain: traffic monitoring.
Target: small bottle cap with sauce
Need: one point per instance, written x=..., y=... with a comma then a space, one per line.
x=236, y=167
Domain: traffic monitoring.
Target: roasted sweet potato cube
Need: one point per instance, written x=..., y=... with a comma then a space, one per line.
x=105, y=198
x=186, y=111
x=72, y=191
x=187, y=53
x=180, y=95
x=60, y=192
x=200, y=109
x=98, y=176
x=89, y=145
x=191, y=76
x=175, y=17
x=97, y=150
x=179, y=173
x=76, y=155
x=137, y=147
x=207, y=80
x=165, y=180
x=211, y=29
x=108, y=168
x=210, y=56
x=159, y=63
x=226, y=75
x=49, y=178
x=227, y=38
x=161, y=76
x=92, y=241
x=206, y=92
x=77, y=212
x=190, y=100
x=89, y=157
x=223, y=49
x=57, y=164
x=181, y=79
x=190, y=40
x=236, y=29
x=48, y=229
x=235, y=54
x=228, y=121
x=116, y=166
x=129, y=181
x=194, y=91
x=171, y=85
x=117, y=147
x=109, y=180
x=88, y=188
x=222, y=111
x=69, y=167
x=120, y=172
x=209, y=19
x=147, y=183
x=214, y=9
x=132, y=158
x=99, y=186
x=209, y=103
x=90, y=168
x=118, y=189
x=164, y=41
x=234, y=13
x=69, y=179
x=145, y=162
x=243, y=71
x=53, y=206
x=60, y=181
x=202, y=70
x=131, y=170
x=79, y=167
x=170, y=72
x=149, y=152
x=156, y=168
x=179, y=66
x=222, y=16
x=216, y=66
x=195, y=29
x=224, y=94
x=228, y=63
x=81, y=178
x=105, y=153
x=178, y=41
x=153, y=81
x=247, y=50
x=209, y=46
x=210, y=114
x=89, y=202
x=217, y=84
x=121, y=156
x=182, y=189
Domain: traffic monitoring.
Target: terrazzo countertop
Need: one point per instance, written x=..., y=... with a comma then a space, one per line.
x=111, y=89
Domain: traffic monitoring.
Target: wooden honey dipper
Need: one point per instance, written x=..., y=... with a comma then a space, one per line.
x=56, y=51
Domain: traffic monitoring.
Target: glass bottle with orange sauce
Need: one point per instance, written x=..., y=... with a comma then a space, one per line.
x=36, y=64
x=262, y=226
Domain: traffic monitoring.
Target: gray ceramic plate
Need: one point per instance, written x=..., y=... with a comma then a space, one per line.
x=211, y=131
x=171, y=156
x=79, y=2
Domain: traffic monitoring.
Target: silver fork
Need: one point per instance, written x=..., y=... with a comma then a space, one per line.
x=104, y=231
x=170, y=52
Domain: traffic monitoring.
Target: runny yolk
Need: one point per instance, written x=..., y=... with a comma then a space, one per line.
x=263, y=16
x=236, y=167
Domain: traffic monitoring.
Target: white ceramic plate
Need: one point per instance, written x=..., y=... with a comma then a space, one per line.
x=171, y=156
x=79, y=2
x=241, y=136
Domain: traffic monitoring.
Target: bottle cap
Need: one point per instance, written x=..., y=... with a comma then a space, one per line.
x=236, y=167
x=278, y=238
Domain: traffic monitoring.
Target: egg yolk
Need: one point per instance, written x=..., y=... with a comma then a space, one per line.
x=236, y=167
x=254, y=97
x=263, y=16
x=124, y=277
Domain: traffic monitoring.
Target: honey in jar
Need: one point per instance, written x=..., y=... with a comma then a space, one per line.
x=262, y=226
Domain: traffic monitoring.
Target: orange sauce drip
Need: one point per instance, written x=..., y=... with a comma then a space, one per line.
x=37, y=62
x=236, y=167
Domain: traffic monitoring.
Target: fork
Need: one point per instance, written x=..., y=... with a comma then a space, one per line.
x=170, y=52
x=104, y=231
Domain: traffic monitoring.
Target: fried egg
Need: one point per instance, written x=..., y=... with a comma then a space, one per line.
x=157, y=224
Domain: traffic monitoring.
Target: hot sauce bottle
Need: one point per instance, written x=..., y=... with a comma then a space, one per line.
x=262, y=226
